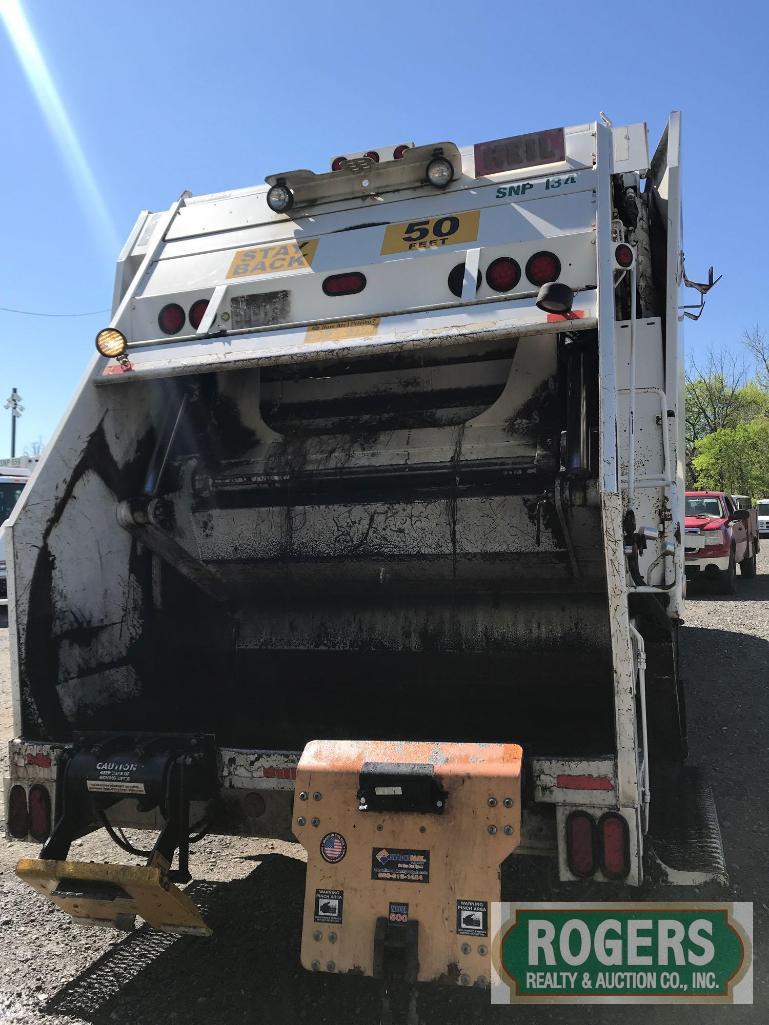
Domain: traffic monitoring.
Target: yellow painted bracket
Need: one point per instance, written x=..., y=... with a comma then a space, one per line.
x=114, y=894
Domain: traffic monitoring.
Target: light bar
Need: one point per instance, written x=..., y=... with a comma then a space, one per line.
x=363, y=176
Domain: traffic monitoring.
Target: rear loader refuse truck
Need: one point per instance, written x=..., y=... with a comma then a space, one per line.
x=365, y=529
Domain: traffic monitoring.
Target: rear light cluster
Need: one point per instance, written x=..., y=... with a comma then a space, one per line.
x=591, y=845
x=344, y=284
x=29, y=815
x=623, y=254
x=504, y=273
x=172, y=317
x=339, y=163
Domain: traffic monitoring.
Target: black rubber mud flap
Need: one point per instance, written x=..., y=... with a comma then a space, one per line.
x=684, y=842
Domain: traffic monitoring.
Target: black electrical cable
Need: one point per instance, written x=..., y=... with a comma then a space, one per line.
x=35, y=313
x=119, y=837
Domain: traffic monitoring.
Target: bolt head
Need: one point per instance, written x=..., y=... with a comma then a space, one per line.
x=492, y=802
x=508, y=830
x=315, y=966
x=465, y=948
x=508, y=802
x=301, y=821
x=316, y=822
x=483, y=950
x=332, y=937
x=492, y=830
x=303, y=796
x=317, y=795
x=464, y=980
x=330, y=966
x=317, y=935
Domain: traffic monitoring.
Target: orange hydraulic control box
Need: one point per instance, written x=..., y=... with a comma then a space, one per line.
x=404, y=845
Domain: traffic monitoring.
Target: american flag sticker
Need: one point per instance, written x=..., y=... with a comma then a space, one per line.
x=333, y=848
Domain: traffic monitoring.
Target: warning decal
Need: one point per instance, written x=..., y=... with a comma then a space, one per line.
x=276, y=259
x=431, y=232
x=472, y=918
x=397, y=865
x=399, y=913
x=329, y=906
x=341, y=330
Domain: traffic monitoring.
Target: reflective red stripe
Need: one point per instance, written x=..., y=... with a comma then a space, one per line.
x=553, y=318
x=568, y=782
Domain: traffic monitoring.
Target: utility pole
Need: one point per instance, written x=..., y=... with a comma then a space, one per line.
x=13, y=402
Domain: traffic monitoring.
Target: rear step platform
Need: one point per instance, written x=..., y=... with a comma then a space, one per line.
x=684, y=840
x=114, y=894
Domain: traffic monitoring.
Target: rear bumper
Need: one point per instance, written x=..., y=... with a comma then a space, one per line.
x=705, y=563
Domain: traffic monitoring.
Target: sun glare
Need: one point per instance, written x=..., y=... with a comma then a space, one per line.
x=50, y=103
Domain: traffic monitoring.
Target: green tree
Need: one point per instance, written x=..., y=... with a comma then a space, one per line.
x=719, y=396
x=735, y=459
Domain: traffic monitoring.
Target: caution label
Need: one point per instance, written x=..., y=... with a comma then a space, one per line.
x=399, y=865
x=275, y=259
x=108, y=786
x=472, y=918
x=329, y=906
x=341, y=330
x=431, y=233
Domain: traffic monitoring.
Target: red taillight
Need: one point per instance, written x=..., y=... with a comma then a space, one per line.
x=503, y=274
x=372, y=155
x=338, y=163
x=39, y=813
x=457, y=280
x=543, y=267
x=344, y=284
x=400, y=151
x=18, y=820
x=580, y=844
x=623, y=254
x=171, y=319
x=615, y=845
x=197, y=312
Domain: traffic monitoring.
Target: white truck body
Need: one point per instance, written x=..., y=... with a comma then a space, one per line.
x=402, y=513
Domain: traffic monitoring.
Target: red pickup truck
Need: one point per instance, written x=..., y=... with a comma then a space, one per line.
x=718, y=535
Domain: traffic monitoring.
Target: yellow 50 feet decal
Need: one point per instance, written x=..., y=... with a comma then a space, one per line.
x=431, y=233
x=284, y=256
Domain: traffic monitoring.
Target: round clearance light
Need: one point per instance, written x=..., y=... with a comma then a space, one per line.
x=439, y=172
x=338, y=163
x=457, y=280
x=372, y=155
x=111, y=343
x=623, y=254
x=503, y=274
x=400, y=152
x=171, y=319
x=543, y=267
x=555, y=297
x=280, y=198
x=344, y=284
x=197, y=312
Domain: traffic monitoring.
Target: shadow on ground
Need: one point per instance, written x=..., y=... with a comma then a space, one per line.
x=748, y=589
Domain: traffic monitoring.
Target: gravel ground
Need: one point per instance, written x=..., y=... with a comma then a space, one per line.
x=54, y=971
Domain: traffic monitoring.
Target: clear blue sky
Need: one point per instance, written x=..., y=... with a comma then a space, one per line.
x=162, y=97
